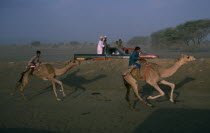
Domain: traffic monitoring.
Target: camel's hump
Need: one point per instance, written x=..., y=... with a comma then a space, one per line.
x=50, y=68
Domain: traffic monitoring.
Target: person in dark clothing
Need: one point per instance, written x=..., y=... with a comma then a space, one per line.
x=120, y=43
x=34, y=62
x=134, y=57
x=34, y=59
x=116, y=44
x=105, y=44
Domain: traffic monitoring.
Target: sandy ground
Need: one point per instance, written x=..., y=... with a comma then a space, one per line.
x=95, y=101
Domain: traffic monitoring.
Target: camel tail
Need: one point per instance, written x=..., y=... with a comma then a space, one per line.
x=21, y=78
x=23, y=74
x=127, y=85
x=18, y=83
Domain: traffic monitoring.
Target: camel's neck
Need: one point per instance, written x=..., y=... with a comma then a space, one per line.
x=170, y=71
x=63, y=70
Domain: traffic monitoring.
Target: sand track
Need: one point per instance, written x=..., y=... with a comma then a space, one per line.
x=95, y=101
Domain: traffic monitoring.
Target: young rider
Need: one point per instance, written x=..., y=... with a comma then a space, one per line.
x=134, y=57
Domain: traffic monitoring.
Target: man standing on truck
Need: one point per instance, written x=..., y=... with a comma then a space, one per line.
x=105, y=45
x=100, y=46
x=119, y=43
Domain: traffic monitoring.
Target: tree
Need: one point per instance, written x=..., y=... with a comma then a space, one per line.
x=74, y=43
x=139, y=40
x=191, y=32
x=165, y=38
x=35, y=43
x=194, y=31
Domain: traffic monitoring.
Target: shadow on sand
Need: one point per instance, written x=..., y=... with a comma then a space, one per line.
x=74, y=81
x=78, y=82
x=176, y=121
x=24, y=130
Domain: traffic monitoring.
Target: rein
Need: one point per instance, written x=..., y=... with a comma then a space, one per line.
x=146, y=71
x=37, y=68
x=56, y=64
x=60, y=64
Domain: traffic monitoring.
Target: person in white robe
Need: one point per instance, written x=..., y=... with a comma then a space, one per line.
x=100, y=46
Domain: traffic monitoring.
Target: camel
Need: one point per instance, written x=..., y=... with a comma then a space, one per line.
x=45, y=72
x=153, y=74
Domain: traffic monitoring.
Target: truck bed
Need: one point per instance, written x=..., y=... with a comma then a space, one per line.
x=98, y=57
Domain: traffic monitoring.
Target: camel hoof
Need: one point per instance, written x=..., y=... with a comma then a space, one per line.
x=137, y=110
x=25, y=99
x=147, y=102
x=149, y=97
x=172, y=100
x=149, y=105
x=131, y=107
x=58, y=99
x=64, y=95
x=12, y=94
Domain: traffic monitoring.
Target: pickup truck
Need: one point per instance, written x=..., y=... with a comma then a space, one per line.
x=143, y=54
x=111, y=53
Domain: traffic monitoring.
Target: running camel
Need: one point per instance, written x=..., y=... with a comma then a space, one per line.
x=45, y=72
x=153, y=74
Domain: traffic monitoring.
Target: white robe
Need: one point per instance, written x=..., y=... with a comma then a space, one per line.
x=100, y=47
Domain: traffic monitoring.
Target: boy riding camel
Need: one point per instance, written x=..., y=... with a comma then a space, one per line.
x=134, y=57
x=134, y=60
x=32, y=65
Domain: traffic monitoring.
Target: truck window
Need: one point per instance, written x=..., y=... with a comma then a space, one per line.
x=114, y=51
x=127, y=51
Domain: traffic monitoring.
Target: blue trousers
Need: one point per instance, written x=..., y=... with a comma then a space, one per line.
x=138, y=65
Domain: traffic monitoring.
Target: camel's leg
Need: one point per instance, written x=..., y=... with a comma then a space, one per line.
x=127, y=96
x=54, y=89
x=23, y=84
x=158, y=89
x=22, y=94
x=18, y=84
x=172, y=85
x=134, y=85
x=61, y=84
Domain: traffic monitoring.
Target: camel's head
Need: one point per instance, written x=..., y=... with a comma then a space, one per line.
x=185, y=59
x=73, y=62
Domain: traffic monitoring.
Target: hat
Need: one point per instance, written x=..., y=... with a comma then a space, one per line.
x=105, y=36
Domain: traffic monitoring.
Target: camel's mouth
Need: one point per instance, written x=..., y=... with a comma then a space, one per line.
x=186, y=59
x=193, y=58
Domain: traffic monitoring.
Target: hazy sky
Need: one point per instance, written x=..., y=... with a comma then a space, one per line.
x=86, y=20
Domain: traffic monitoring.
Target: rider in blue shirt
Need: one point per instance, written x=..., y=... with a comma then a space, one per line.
x=135, y=57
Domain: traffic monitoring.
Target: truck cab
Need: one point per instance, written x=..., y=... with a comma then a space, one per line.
x=112, y=53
